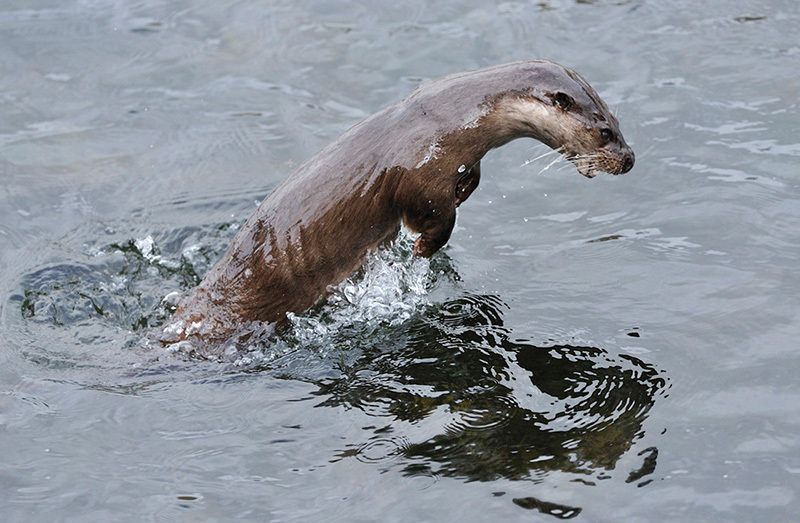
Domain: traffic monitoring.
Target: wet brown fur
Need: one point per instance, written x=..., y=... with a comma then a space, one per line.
x=402, y=164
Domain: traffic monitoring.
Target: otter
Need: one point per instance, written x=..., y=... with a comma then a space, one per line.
x=412, y=163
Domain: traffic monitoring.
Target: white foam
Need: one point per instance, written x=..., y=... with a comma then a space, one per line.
x=149, y=250
x=390, y=288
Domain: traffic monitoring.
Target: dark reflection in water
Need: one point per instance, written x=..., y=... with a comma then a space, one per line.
x=553, y=509
x=511, y=409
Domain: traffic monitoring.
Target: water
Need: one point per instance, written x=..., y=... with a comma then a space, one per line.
x=622, y=348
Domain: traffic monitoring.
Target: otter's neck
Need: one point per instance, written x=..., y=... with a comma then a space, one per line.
x=509, y=118
x=515, y=116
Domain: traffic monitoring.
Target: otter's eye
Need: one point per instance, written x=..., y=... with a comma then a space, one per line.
x=606, y=135
x=562, y=100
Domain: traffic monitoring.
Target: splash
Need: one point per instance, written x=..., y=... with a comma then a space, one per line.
x=388, y=290
x=149, y=251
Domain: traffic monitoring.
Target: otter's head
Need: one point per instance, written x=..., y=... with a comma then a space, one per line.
x=564, y=112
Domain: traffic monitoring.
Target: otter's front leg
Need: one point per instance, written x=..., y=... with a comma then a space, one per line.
x=434, y=237
x=438, y=220
x=434, y=222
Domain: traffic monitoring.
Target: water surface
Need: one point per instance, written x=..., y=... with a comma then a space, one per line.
x=622, y=348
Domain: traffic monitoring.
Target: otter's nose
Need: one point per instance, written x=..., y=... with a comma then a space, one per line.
x=627, y=163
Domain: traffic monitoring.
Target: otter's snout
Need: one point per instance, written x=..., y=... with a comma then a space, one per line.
x=628, y=161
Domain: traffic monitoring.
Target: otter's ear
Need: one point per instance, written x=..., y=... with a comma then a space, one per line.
x=562, y=100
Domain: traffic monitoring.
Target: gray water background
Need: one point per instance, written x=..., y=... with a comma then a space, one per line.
x=126, y=122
